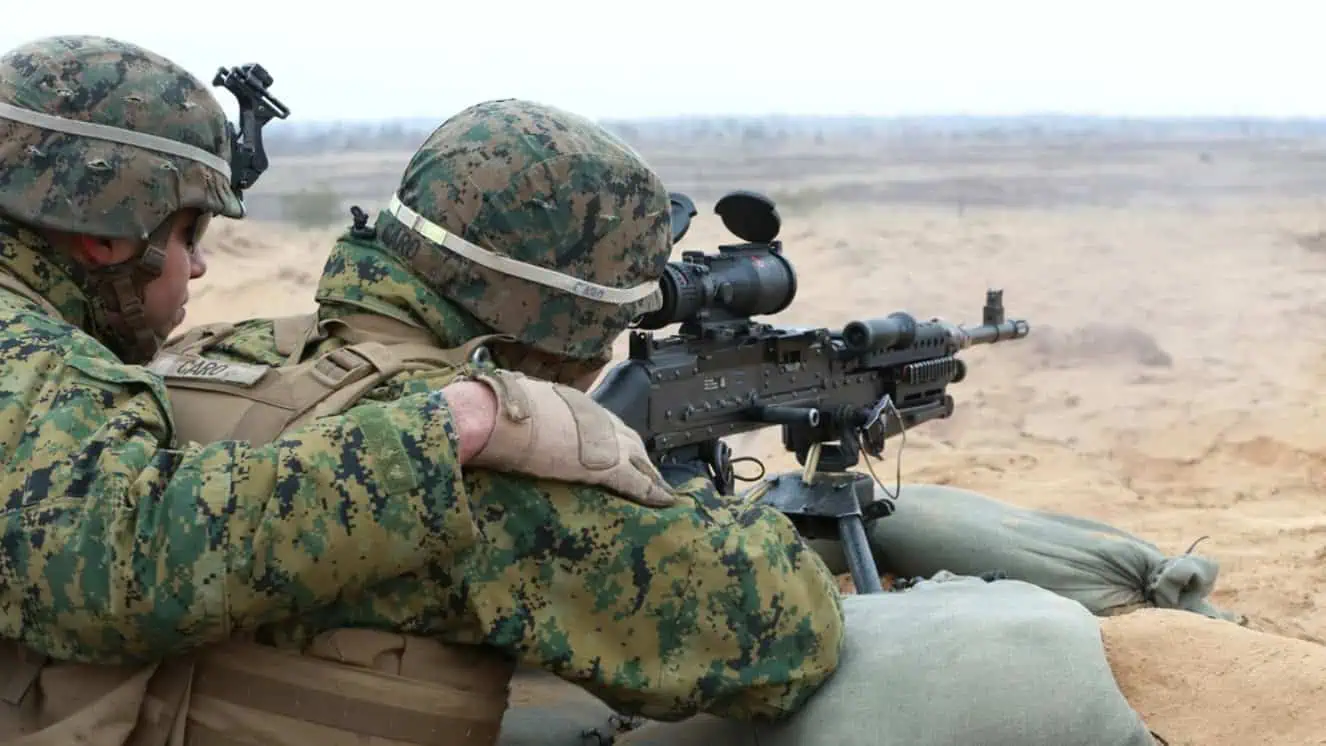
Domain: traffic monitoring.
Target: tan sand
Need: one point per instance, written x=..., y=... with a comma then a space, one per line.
x=1201, y=682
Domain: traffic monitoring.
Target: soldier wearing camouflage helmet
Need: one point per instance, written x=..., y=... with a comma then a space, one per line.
x=112, y=177
x=122, y=544
x=506, y=237
x=538, y=233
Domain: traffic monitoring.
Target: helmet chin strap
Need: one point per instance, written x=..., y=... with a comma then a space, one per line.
x=120, y=292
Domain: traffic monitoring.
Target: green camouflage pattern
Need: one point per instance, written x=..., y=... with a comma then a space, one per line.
x=547, y=188
x=95, y=187
x=360, y=277
x=117, y=548
x=709, y=606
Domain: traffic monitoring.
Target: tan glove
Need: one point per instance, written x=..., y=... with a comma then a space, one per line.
x=556, y=432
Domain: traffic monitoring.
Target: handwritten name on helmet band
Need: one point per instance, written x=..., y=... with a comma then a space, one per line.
x=171, y=366
x=95, y=131
x=436, y=234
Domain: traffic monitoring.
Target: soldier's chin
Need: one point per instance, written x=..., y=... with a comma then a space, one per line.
x=165, y=330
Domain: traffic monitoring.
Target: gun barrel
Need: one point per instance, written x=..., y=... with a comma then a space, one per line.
x=988, y=334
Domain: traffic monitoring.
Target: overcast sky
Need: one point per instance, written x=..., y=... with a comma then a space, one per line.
x=430, y=58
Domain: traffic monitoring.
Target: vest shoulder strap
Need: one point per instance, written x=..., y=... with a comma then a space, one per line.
x=215, y=400
x=338, y=380
x=365, y=327
x=291, y=334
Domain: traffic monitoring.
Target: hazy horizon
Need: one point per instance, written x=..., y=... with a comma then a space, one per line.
x=419, y=60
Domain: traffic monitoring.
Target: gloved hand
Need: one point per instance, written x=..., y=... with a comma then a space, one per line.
x=553, y=431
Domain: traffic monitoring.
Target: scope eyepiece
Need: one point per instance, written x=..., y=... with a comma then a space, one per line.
x=733, y=284
x=738, y=282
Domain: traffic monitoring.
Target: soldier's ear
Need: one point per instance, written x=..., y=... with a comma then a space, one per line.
x=92, y=251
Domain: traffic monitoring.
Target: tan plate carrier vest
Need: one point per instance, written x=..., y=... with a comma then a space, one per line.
x=351, y=687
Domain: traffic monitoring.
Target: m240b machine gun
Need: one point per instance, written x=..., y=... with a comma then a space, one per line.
x=835, y=393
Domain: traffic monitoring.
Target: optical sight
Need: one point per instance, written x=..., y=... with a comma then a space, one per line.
x=738, y=282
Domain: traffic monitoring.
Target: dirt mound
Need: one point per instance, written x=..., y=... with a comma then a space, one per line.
x=1202, y=682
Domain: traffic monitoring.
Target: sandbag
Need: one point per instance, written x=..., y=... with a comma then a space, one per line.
x=1204, y=682
x=544, y=710
x=937, y=527
x=949, y=662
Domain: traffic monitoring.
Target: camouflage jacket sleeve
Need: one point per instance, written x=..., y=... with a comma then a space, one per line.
x=116, y=548
x=710, y=606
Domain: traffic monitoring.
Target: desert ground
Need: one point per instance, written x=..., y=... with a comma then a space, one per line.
x=1170, y=385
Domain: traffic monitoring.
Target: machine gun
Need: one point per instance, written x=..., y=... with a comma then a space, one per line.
x=834, y=393
x=257, y=107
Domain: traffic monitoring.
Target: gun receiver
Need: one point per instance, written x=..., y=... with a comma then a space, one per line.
x=725, y=374
x=835, y=393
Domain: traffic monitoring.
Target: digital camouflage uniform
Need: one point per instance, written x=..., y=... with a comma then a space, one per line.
x=710, y=605
x=115, y=546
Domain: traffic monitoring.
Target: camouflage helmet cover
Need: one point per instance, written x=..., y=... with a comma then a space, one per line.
x=538, y=222
x=105, y=138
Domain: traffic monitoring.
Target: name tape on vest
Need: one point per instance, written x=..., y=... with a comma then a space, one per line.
x=191, y=367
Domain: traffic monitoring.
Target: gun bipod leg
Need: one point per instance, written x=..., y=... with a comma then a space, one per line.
x=830, y=508
x=860, y=560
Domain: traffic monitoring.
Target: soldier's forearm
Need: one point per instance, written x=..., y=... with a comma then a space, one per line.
x=473, y=408
x=151, y=552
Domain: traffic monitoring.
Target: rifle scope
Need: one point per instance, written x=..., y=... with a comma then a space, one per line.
x=739, y=281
